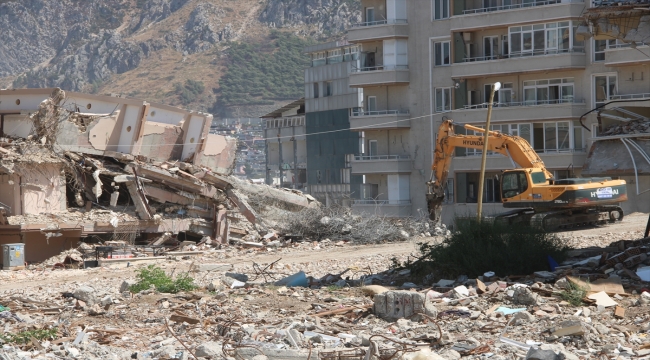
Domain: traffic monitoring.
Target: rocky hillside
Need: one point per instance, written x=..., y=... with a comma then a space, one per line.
x=172, y=51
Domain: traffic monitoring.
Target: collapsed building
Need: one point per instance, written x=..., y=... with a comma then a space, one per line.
x=77, y=167
x=621, y=138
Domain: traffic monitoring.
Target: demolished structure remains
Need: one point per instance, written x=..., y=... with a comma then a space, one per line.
x=100, y=168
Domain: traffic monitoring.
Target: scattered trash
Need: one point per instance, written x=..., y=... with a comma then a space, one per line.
x=297, y=279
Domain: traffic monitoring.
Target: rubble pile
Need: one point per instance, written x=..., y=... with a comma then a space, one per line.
x=334, y=300
x=339, y=223
x=639, y=126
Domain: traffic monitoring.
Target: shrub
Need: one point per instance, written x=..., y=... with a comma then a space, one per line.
x=25, y=337
x=477, y=247
x=573, y=294
x=153, y=275
x=190, y=91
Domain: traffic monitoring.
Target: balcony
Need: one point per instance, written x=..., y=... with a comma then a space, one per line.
x=553, y=159
x=381, y=164
x=379, y=120
x=527, y=110
x=388, y=208
x=626, y=55
x=518, y=63
x=505, y=15
x=379, y=75
x=376, y=30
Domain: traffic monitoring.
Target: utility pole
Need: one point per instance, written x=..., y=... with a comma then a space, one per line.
x=495, y=87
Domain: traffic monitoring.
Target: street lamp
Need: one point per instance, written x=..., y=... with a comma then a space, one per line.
x=495, y=87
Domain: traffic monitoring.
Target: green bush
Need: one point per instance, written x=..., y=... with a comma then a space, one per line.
x=573, y=294
x=190, y=91
x=153, y=275
x=25, y=337
x=477, y=247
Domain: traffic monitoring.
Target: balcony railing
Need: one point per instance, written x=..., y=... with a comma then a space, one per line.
x=526, y=103
x=379, y=112
x=381, y=22
x=380, y=157
x=380, y=68
x=517, y=6
x=477, y=153
x=511, y=55
x=630, y=96
x=382, y=202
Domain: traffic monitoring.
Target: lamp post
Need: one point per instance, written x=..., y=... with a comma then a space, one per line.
x=495, y=87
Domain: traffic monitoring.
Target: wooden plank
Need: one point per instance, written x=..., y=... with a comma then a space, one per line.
x=182, y=318
x=619, y=312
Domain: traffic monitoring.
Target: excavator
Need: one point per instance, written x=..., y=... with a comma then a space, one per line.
x=536, y=197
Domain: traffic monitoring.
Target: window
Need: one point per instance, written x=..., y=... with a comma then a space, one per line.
x=372, y=147
x=395, y=54
x=441, y=53
x=334, y=56
x=553, y=91
x=505, y=50
x=604, y=88
x=578, y=140
x=449, y=191
x=552, y=136
x=328, y=88
x=559, y=136
x=315, y=90
x=370, y=15
x=514, y=183
x=440, y=9
x=372, y=103
x=490, y=47
x=540, y=39
x=351, y=53
x=502, y=96
x=443, y=99
x=599, y=48
x=318, y=59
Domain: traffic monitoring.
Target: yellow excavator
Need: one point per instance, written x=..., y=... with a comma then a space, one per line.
x=537, y=197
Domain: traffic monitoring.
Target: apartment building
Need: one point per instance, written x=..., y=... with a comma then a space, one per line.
x=286, y=146
x=329, y=103
x=422, y=61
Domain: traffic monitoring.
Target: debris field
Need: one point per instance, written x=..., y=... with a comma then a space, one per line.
x=336, y=300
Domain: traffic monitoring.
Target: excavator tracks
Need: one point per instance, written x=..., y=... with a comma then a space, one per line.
x=564, y=219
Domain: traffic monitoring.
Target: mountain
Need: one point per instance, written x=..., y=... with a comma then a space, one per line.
x=231, y=57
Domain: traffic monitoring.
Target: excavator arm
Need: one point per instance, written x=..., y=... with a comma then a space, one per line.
x=515, y=147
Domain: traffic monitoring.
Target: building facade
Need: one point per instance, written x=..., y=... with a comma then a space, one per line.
x=422, y=61
x=329, y=103
x=286, y=146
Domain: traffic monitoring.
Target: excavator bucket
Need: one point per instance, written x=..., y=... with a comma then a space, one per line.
x=434, y=203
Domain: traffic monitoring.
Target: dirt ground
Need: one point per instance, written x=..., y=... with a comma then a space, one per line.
x=308, y=255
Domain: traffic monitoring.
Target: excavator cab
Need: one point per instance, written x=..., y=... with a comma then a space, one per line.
x=513, y=183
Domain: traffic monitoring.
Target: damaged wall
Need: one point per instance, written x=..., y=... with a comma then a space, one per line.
x=98, y=124
x=42, y=188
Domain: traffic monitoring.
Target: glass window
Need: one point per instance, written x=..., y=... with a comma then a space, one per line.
x=315, y=90
x=550, y=136
x=577, y=136
x=442, y=51
x=563, y=136
x=524, y=132
x=604, y=88
x=443, y=99
x=538, y=177
x=440, y=9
